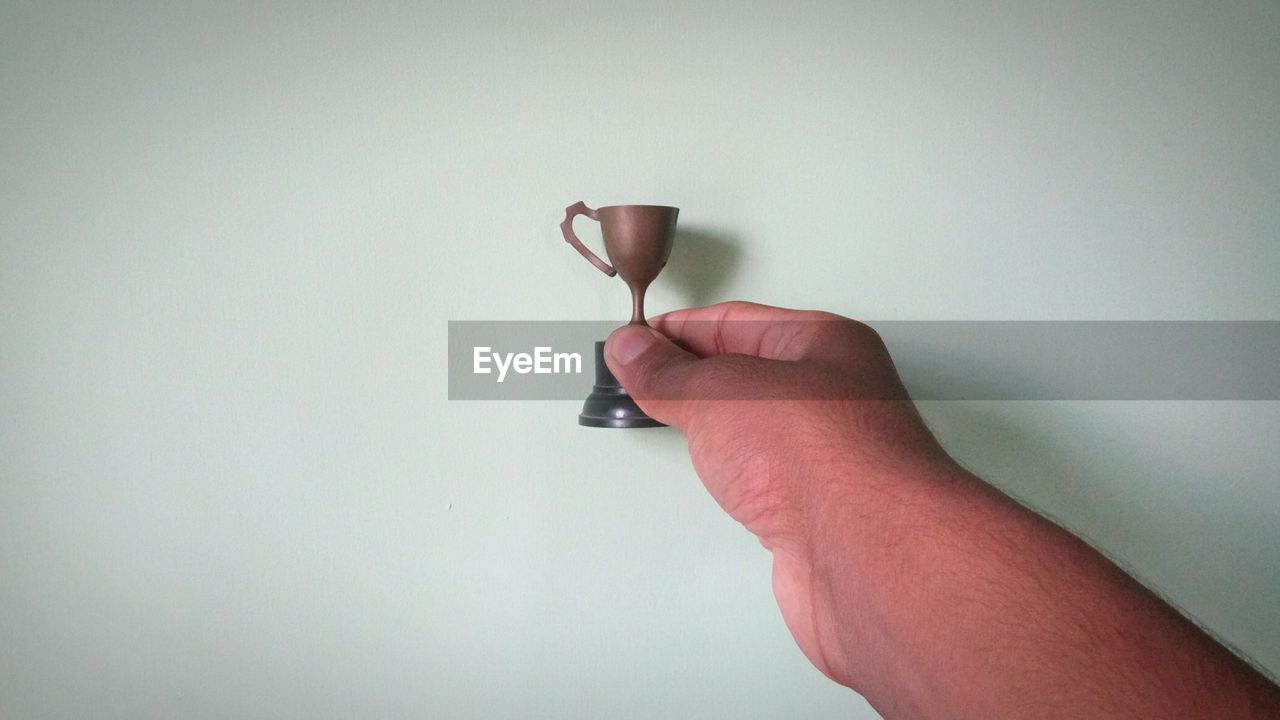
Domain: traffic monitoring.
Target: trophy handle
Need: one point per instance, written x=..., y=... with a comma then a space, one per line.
x=566, y=227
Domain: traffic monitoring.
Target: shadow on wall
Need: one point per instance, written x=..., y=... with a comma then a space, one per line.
x=703, y=262
x=1031, y=467
x=1046, y=465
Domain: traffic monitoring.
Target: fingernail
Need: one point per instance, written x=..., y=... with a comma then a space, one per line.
x=628, y=342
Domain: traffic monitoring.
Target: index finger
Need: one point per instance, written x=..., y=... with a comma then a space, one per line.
x=761, y=330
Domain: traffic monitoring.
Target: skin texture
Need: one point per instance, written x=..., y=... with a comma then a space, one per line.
x=900, y=574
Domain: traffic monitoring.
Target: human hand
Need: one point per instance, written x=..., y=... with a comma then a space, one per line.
x=900, y=574
x=785, y=412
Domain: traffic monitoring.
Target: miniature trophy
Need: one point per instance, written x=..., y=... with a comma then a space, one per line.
x=637, y=239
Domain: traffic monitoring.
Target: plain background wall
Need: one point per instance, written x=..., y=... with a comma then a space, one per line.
x=231, y=235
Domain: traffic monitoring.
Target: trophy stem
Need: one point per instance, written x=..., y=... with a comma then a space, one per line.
x=637, y=306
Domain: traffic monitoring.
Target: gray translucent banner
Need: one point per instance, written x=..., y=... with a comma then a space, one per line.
x=937, y=360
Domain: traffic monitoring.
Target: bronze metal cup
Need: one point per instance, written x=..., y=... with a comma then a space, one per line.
x=637, y=239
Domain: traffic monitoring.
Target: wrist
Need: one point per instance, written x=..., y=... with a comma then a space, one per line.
x=867, y=526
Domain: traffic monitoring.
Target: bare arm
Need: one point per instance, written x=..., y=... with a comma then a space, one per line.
x=900, y=574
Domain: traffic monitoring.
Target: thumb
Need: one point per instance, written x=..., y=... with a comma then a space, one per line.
x=652, y=369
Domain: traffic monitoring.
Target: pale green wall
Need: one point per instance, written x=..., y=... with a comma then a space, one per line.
x=230, y=239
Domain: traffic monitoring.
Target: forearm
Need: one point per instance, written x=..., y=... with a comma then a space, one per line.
x=936, y=596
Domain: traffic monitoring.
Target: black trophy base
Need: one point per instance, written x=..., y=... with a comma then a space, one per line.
x=609, y=405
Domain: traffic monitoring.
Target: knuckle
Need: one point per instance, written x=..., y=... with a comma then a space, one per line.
x=737, y=305
x=853, y=333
